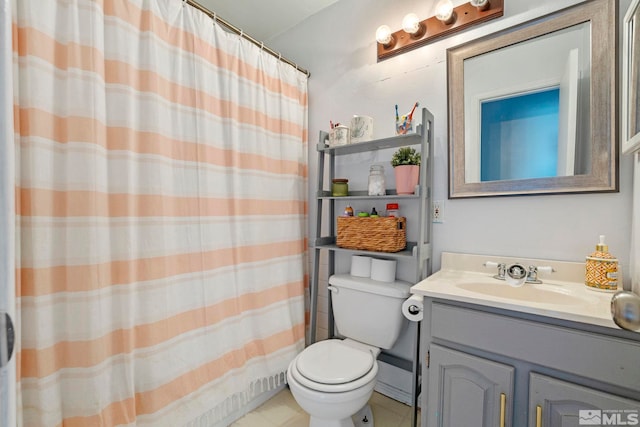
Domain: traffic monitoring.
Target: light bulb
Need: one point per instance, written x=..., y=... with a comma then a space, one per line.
x=444, y=11
x=480, y=4
x=411, y=23
x=384, y=36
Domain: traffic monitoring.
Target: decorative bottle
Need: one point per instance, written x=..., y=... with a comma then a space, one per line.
x=348, y=211
x=602, y=269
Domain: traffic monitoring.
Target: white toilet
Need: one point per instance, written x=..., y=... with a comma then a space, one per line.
x=333, y=379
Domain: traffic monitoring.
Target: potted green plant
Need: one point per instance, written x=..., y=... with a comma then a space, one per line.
x=406, y=167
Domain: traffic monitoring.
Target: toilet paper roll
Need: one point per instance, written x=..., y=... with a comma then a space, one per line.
x=360, y=266
x=413, y=308
x=383, y=270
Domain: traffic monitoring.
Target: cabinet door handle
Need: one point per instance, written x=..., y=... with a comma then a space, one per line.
x=538, y=416
x=503, y=408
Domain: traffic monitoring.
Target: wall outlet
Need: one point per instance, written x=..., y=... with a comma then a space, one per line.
x=437, y=211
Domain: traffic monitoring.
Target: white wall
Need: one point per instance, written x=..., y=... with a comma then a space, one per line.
x=338, y=47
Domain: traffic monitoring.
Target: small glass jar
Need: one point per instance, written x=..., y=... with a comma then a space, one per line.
x=377, y=186
x=340, y=187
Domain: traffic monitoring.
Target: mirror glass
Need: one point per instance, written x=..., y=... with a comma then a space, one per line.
x=634, y=75
x=631, y=79
x=524, y=122
x=529, y=107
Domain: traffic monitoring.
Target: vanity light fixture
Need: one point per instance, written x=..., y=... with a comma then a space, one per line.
x=446, y=21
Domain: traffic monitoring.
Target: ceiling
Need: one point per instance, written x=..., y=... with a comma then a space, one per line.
x=262, y=19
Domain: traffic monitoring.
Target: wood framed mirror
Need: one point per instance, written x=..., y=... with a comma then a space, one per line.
x=533, y=108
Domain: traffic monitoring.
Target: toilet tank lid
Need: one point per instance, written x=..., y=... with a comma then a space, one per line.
x=397, y=289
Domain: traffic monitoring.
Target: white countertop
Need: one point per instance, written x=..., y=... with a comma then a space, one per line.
x=463, y=278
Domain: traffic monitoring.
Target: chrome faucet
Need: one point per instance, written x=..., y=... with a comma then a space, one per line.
x=532, y=274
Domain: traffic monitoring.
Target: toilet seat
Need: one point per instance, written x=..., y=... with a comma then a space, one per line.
x=333, y=367
x=332, y=362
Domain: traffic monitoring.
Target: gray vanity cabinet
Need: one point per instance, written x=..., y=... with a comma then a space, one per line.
x=556, y=403
x=541, y=371
x=468, y=390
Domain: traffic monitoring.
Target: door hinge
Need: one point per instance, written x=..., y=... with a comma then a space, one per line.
x=428, y=359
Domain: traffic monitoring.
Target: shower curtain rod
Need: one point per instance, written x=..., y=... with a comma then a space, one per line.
x=244, y=35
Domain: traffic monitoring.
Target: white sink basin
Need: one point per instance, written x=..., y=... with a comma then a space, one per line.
x=538, y=293
x=564, y=296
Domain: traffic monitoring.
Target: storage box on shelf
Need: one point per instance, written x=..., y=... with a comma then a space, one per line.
x=345, y=237
x=384, y=234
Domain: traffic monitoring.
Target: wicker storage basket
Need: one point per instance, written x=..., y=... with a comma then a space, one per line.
x=383, y=234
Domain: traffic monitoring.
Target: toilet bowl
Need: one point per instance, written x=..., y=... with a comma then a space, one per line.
x=332, y=380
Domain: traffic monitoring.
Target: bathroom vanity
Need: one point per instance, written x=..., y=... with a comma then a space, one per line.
x=536, y=355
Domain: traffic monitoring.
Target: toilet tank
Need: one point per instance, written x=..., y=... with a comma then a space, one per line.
x=368, y=311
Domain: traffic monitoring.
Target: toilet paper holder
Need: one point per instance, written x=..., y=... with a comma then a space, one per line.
x=414, y=309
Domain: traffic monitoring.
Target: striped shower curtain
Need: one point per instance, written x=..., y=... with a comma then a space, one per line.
x=160, y=214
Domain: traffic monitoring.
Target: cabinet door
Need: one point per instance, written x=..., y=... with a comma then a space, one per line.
x=466, y=390
x=555, y=403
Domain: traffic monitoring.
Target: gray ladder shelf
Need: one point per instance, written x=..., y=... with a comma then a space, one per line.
x=418, y=252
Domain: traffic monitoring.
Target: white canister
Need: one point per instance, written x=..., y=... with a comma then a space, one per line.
x=339, y=135
x=361, y=128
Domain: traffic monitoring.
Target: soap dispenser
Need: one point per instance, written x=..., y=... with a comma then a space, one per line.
x=601, y=269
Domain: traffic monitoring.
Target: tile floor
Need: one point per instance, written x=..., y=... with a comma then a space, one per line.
x=283, y=411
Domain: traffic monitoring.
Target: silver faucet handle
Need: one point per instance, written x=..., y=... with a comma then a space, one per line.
x=502, y=268
x=546, y=269
x=532, y=277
